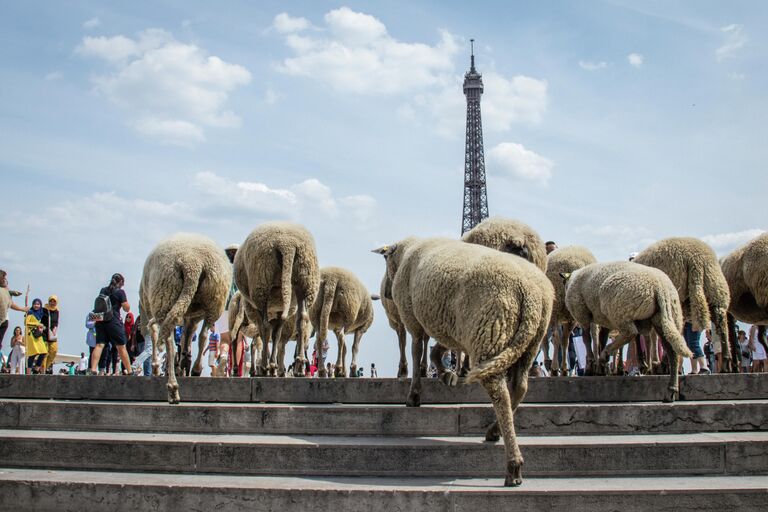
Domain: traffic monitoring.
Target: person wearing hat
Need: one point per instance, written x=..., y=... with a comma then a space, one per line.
x=36, y=346
x=50, y=321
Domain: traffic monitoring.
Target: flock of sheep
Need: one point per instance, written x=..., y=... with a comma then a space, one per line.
x=491, y=296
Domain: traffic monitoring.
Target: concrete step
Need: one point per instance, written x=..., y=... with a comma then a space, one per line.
x=384, y=391
x=75, y=491
x=735, y=453
x=382, y=420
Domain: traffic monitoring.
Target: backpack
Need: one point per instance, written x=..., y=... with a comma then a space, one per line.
x=102, y=308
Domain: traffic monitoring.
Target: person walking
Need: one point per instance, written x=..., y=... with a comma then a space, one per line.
x=141, y=346
x=374, y=373
x=111, y=328
x=50, y=321
x=18, y=351
x=6, y=303
x=82, y=366
x=758, y=351
x=130, y=343
x=213, y=349
x=746, y=353
x=36, y=347
x=693, y=340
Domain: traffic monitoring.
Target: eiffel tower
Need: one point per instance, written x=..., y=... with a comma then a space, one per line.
x=475, y=194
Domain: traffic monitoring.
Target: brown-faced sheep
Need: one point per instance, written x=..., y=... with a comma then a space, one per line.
x=701, y=286
x=632, y=299
x=491, y=305
x=746, y=271
x=277, y=261
x=343, y=305
x=565, y=260
x=186, y=279
x=390, y=309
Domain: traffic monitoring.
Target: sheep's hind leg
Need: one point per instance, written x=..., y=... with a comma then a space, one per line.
x=424, y=356
x=502, y=404
x=339, y=370
x=414, y=394
x=153, y=334
x=355, y=348
x=166, y=334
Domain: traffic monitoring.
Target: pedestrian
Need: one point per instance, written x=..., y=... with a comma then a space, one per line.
x=130, y=345
x=550, y=246
x=141, y=347
x=374, y=373
x=222, y=324
x=213, y=349
x=82, y=366
x=746, y=353
x=6, y=303
x=18, y=351
x=758, y=351
x=50, y=321
x=110, y=328
x=328, y=370
x=36, y=347
x=693, y=340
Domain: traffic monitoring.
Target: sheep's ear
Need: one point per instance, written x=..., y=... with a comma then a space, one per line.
x=375, y=296
x=385, y=250
x=565, y=276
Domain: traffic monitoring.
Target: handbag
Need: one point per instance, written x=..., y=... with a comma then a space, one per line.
x=52, y=338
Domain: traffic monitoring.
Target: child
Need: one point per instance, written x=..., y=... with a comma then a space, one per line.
x=213, y=350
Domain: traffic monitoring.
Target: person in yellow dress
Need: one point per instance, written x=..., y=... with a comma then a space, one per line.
x=50, y=321
x=37, y=349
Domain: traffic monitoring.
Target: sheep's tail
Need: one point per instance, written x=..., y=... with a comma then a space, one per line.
x=665, y=325
x=191, y=279
x=285, y=280
x=697, y=299
x=499, y=364
x=329, y=291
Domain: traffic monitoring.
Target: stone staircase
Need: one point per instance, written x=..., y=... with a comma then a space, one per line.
x=605, y=443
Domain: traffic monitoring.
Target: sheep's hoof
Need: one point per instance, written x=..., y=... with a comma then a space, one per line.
x=173, y=394
x=298, y=367
x=321, y=373
x=423, y=371
x=493, y=433
x=353, y=371
x=450, y=379
x=670, y=396
x=413, y=400
x=156, y=369
x=514, y=474
x=548, y=365
x=339, y=371
x=196, y=371
x=402, y=372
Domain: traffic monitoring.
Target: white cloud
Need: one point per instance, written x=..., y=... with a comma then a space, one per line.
x=54, y=75
x=170, y=131
x=516, y=161
x=271, y=97
x=521, y=99
x=91, y=23
x=355, y=54
x=172, y=90
x=592, y=66
x=735, y=39
x=635, y=59
x=361, y=207
x=723, y=243
x=285, y=24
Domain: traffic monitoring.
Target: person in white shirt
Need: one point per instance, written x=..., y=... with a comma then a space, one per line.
x=82, y=366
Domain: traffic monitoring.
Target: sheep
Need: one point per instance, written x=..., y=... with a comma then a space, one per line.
x=390, y=309
x=701, y=286
x=632, y=299
x=567, y=259
x=278, y=263
x=343, y=305
x=494, y=306
x=746, y=272
x=512, y=236
x=186, y=279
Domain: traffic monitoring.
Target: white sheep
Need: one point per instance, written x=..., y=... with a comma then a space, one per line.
x=566, y=259
x=186, y=279
x=701, y=286
x=632, y=299
x=343, y=305
x=390, y=309
x=492, y=305
x=277, y=264
x=746, y=271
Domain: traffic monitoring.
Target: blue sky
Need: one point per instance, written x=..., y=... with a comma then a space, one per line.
x=607, y=124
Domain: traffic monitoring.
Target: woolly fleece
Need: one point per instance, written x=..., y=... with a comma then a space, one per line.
x=512, y=236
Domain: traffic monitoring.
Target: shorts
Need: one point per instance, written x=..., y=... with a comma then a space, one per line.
x=222, y=324
x=759, y=353
x=110, y=332
x=212, y=358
